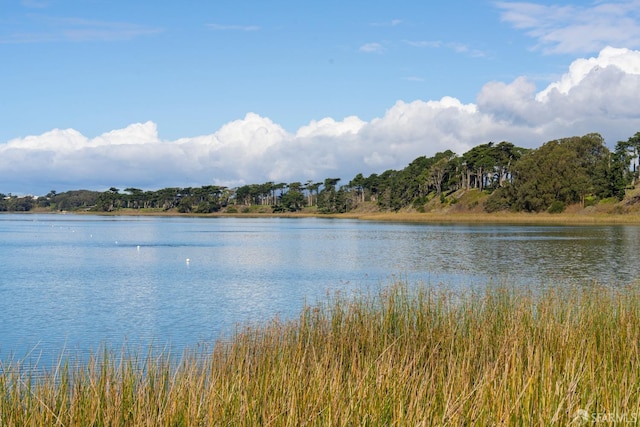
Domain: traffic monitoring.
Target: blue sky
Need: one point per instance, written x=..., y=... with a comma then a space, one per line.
x=96, y=93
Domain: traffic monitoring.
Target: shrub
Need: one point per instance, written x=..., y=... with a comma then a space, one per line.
x=556, y=207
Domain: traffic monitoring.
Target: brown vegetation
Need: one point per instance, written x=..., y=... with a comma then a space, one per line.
x=404, y=356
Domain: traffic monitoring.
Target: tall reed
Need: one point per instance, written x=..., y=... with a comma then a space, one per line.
x=405, y=355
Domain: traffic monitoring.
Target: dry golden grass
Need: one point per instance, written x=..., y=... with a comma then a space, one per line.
x=502, y=218
x=403, y=356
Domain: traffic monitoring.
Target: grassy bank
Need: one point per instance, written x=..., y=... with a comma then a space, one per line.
x=501, y=218
x=399, y=357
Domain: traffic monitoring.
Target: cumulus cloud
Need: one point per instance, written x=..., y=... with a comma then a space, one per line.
x=576, y=29
x=601, y=89
x=597, y=94
x=625, y=60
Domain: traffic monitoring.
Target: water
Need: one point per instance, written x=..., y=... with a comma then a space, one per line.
x=71, y=283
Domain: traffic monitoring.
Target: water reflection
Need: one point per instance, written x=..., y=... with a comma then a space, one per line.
x=77, y=282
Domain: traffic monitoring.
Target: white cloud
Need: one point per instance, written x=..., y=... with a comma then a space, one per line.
x=512, y=103
x=137, y=133
x=54, y=140
x=70, y=140
x=576, y=29
x=598, y=94
x=372, y=48
x=329, y=127
x=626, y=60
x=409, y=130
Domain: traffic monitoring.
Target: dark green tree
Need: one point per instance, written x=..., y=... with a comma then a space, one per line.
x=357, y=184
x=293, y=200
x=565, y=170
x=329, y=200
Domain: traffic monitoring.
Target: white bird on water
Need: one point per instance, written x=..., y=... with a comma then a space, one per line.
x=188, y=260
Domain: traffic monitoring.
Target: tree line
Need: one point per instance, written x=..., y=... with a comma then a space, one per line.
x=579, y=169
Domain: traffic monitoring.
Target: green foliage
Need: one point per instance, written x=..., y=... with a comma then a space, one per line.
x=419, y=202
x=501, y=200
x=330, y=199
x=479, y=160
x=590, y=201
x=73, y=200
x=565, y=170
x=206, y=207
x=619, y=175
x=16, y=204
x=185, y=205
x=556, y=207
x=108, y=201
x=489, y=166
x=293, y=201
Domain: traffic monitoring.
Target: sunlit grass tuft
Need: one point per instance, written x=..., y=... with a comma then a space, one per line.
x=402, y=356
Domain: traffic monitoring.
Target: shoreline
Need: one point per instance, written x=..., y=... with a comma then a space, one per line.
x=525, y=218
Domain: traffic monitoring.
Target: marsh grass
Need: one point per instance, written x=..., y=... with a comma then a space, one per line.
x=403, y=355
x=500, y=218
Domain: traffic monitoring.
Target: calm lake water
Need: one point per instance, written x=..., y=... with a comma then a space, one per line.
x=73, y=283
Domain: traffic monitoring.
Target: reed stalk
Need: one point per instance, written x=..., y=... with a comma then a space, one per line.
x=403, y=355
